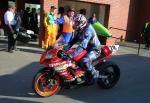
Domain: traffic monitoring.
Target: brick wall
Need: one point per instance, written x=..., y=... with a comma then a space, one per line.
x=118, y=17
x=144, y=14
x=139, y=13
x=132, y=25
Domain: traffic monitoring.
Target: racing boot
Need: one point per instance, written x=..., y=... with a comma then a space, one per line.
x=95, y=75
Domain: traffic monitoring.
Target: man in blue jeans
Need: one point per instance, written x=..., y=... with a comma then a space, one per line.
x=88, y=40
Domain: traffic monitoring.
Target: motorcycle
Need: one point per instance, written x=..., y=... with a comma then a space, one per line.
x=60, y=73
x=24, y=35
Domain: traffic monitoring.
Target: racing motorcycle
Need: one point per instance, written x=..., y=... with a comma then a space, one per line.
x=60, y=73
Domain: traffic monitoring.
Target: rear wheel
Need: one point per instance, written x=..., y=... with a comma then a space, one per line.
x=45, y=84
x=109, y=75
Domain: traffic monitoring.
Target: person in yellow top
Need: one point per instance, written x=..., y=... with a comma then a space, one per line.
x=50, y=27
x=67, y=21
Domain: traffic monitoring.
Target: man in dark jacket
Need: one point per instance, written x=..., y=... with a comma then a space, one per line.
x=34, y=21
x=25, y=18
x=146, y=33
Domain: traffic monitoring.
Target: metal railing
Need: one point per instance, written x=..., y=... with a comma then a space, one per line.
x=121, y=38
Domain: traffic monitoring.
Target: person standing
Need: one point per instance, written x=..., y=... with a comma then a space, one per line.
x=93, y=19
x=67, y=21
x=25, y=18
x=38, y=17
x=34, y=21
x=50, y=27
x=18, y=20
x=10, y=25
x=146, y=33
x=60, y=26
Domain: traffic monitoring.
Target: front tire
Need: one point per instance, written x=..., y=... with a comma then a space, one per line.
x=45, y=84
x=110, y=73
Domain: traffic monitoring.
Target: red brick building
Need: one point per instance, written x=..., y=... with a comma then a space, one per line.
x=124, y=18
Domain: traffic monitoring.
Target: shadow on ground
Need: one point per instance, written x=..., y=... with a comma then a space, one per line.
x=133, y=86
x=31, y=50
x=19, y=84
x=31, y=47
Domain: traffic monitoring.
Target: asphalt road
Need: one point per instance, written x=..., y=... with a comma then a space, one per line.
x=18, y=69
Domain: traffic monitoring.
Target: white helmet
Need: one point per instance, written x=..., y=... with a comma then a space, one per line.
x=80, y=21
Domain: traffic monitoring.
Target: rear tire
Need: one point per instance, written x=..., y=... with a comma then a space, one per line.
x=45, y=84
x=111, y=72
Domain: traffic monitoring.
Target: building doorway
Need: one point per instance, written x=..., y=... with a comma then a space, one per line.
x=99, y=9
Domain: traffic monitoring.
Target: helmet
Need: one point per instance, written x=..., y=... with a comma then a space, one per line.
x=80, y=21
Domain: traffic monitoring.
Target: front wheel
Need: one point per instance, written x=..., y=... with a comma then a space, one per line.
x=45, y=84
x=109, y=75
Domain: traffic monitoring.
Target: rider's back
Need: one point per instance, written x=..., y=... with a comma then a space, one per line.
x=90, y=37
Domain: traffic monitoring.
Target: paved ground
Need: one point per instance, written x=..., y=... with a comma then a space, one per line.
x=18, y=69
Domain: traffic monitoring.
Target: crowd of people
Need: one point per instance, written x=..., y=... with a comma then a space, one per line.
x=30, y=19
x=14, y=20
x=60, y=26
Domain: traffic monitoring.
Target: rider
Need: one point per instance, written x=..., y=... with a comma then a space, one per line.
x=89, y=41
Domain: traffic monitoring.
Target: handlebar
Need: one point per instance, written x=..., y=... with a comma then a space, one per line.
x=63, y=55
x=60, y=54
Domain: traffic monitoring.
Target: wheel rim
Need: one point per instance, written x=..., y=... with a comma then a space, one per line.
x=46, y=86
x=110, y=73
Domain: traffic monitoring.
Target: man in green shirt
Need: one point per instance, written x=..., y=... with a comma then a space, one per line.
x=50, y=27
